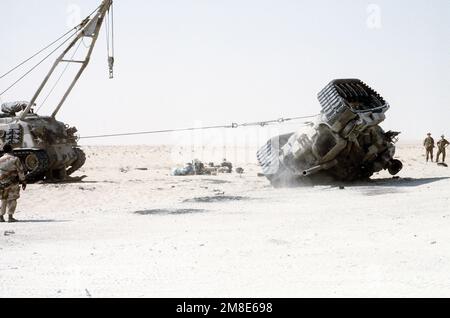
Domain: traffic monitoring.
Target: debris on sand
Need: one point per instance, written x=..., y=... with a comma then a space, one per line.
x=169, y=211
x=87, y=189
x=197, y=167
x=222, y=198
x=218, y=192
x=278, y=242
x=218, y=181
x=142, y=169
x=381, y=191
x=9, y=233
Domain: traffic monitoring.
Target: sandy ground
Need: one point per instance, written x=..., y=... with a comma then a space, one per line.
x=143, y=233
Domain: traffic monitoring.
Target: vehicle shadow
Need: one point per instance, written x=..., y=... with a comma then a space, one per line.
x=397, y=182
x=382, y=182
x=74, y=182
x=42, y=221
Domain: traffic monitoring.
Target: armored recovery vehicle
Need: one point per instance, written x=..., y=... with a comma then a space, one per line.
x=345, y=143
x=47, y=147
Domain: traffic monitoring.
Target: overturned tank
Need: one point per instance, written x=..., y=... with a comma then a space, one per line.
x=345, y=143
x=47, y=148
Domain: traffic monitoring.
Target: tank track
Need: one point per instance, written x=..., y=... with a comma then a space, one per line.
x=81, y=160
x=39, y=173
x=349, y=94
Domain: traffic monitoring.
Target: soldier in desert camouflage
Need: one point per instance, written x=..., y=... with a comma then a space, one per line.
x=429, y=146
x=442, y=144
x=11, y=177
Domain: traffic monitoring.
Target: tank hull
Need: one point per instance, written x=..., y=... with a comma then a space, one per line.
x=47, y=148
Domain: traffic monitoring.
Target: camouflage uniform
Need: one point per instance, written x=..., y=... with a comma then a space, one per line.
x=442, y=144
x=429, y=146
x=11, y=174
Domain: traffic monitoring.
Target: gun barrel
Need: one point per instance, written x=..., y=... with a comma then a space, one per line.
x=323, y=166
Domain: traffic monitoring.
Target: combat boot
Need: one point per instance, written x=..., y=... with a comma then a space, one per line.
x=11, y=219
x=2, y=219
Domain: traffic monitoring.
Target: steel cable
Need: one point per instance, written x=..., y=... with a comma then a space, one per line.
x=233, y=125
x=46, y=47
x=36, y=65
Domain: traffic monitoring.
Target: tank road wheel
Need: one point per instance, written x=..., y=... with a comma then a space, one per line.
x=81, y=159
x=31, y=162
x=36, y=162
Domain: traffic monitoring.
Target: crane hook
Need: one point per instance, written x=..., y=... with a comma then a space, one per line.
x=111, y=66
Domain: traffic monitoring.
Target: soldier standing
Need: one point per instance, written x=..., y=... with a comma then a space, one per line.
x=442, y=144
x=11, y=177
x=429, y=146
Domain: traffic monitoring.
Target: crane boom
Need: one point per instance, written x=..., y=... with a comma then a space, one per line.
x=88, y=28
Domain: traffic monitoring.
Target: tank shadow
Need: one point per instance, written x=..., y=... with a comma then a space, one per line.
x=42, y=221
x=65, y=181
x=74, y=182
x=169, y=211
x=383, y=182
x=394, y=182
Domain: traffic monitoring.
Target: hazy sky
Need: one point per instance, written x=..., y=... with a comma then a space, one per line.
x=182, y=63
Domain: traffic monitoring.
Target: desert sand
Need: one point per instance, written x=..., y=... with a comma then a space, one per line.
x=133, y=230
